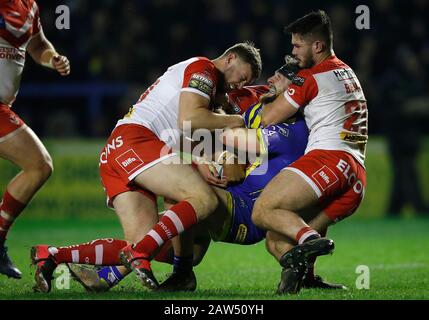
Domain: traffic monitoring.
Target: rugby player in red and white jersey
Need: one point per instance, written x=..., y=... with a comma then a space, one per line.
x=21, y=32
x=138, y=161
x=326, y=184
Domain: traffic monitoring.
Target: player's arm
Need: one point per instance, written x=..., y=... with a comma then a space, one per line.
x=194, y=107
x=43, y=52
x=277, y=111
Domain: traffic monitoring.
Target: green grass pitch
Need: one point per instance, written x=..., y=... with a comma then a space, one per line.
x=71, y=209
x=395, y=252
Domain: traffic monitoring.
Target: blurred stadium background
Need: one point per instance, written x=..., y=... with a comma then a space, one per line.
x=118, y=48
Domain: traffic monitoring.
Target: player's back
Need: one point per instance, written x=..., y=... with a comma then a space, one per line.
x=334, y=107
x=158, y=107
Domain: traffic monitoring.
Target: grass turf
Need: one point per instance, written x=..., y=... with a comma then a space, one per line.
x=394, y=250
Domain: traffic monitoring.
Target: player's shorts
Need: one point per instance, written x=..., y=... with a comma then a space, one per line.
x=130, y=150
x=337, y=178
x=239, y=228
x=10, y=123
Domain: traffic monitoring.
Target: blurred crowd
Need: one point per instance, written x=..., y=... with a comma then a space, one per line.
x=134, y=41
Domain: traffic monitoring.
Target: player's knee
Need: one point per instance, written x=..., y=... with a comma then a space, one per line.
x=270, y=245
x=258, y=213
x=208, y=202
x=41, y=170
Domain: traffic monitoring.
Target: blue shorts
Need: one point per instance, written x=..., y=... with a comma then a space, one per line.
x=240, y=229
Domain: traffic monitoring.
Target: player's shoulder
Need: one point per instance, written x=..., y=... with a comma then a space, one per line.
x=201, y=65
x=332, y=63
x=30, y=4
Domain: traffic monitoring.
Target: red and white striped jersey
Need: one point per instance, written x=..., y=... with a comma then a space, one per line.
x=19, y=22
x=334, y=107
x=158, y=107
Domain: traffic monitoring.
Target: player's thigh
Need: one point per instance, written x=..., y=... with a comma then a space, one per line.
x=289, y=191
x=137, y=214
x=175, y=181
x=25, y=150
x=216, y=221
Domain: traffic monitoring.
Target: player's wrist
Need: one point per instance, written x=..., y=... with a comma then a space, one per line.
x=47, y=58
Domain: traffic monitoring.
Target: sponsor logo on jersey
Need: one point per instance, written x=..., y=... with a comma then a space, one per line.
x=354, y=137
x=129, y=161
x=241, y=233
x=202, y=83
x=111, y=145
x=11, y=54
x=343, y=74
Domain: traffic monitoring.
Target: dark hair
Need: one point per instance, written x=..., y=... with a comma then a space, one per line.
x=314, y=25
x=247, y=52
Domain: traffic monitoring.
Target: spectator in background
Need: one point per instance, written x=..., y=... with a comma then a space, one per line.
x=409, y=106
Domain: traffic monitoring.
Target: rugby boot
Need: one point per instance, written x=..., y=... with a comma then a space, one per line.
x=317, y=282
x=295, y=263
x=179, y=281
x=140, y=264
x=88, y=278
x=45, y=267
x=6, y=265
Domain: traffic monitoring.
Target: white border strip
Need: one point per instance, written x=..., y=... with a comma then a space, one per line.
x=176, y=220
x=290, y=100
x=6, y=216
x=155, y=236
x=307, y=179
x=75, y=256
x=13, y=133
x=150, y=164
x=99, y=254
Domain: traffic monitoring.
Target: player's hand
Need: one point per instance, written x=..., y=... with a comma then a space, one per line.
x=209, y=176
x=61, y=64
x=237, y=121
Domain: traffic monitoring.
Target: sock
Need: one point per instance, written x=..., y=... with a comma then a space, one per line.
x=179, y=218
x=10, y=208
x=111, y=275
x=182, y=264
x=306, y=234
x=97, y=252
x=166, y=253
